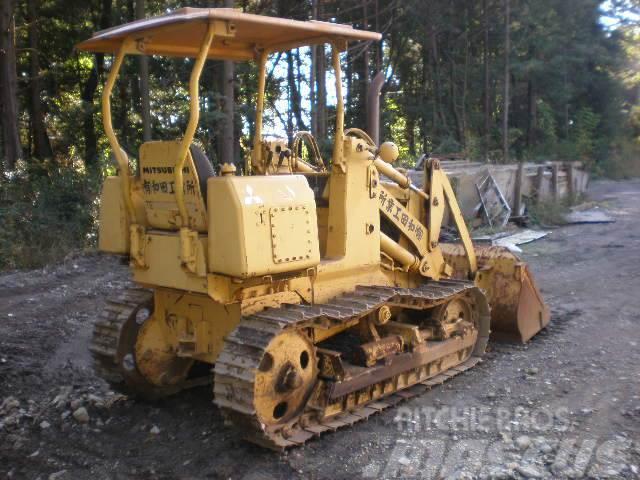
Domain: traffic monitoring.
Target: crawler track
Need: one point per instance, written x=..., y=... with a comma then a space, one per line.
x=108, y=330
x=235, y=369
x=113, y=345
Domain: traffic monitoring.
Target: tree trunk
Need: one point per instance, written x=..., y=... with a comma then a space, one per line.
x=532, y=114
x=122, y=116
x=379, y=53
x=465, y=77
x=453, y=101
x=321, y=84
x=312, y=81
x=88, y=94
x=348, y=75
x=365, y=80
x=41, y=144
x=322, y=92
x=297, y=111
x=290, y=96
x=565, y=83
x=228, y=90
x=312, y=93
x=410, y=135
x=435, y=68
x=487, y=92
x=145, y=107
x=427, y=89
x=124, y=87
x=210, y=80
x=507, y=81
x=88, y=125
x=12, y=150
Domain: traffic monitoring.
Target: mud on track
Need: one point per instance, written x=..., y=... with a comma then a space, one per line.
x=574, y=389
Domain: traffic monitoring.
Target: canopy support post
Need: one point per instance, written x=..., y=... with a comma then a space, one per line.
x=256, y=153
x=194, y=116
x=119, y=154
x=338, y=145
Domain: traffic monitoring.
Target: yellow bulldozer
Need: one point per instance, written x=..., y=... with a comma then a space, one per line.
x=314, y=296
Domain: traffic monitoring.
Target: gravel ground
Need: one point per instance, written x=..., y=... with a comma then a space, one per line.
x=567, y=405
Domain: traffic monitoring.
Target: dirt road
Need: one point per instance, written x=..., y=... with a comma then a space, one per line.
x=566, y=405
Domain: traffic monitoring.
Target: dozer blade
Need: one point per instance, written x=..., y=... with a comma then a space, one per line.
x=518, y=311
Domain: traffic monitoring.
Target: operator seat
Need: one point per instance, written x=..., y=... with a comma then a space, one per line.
x=204, y=169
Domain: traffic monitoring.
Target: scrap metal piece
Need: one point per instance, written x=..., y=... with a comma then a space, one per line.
x=592, y=215
x=520, y=238
x=495, y=207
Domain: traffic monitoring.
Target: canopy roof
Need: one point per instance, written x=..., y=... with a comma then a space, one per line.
x=238, y=35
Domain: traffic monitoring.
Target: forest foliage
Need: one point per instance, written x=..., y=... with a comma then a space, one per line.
x=496, y=80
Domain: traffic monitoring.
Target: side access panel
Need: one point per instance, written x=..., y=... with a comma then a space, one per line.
x=261, y=225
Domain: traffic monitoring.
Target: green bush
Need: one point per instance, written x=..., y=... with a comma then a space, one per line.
x=623, y=160
x=585, y=134
x=548, y=213
x=46, y=211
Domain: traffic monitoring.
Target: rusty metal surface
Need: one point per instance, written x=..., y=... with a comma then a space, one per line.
x=371, y=352
x=518, y=310
x=113, y=346
x=402, y=363
x=235, y=371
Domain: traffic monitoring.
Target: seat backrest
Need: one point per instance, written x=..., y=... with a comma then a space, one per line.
x=157, y=160
x=204, y=169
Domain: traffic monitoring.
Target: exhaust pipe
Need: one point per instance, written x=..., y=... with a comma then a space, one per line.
x=373, y=107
